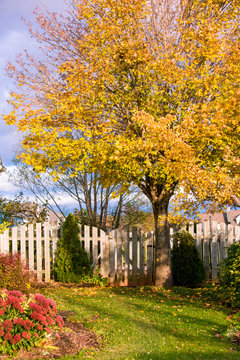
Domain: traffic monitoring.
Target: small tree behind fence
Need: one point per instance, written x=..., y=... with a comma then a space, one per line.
x=126, y=256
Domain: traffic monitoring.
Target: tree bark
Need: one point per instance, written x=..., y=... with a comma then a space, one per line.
x=159, y=194
x=163, y=270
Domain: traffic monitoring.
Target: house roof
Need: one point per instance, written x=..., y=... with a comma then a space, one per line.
x=53, y=218
x=227, y=217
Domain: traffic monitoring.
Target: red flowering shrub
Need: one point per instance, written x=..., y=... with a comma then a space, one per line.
x=26, y=320
x=14, y=274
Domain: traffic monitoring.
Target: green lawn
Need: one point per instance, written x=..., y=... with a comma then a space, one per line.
x=147, y=323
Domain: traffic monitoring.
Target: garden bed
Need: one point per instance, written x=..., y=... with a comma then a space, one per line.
x=70, y=341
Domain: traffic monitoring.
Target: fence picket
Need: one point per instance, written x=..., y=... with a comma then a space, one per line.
x=199, y=239
x=207, y=236
x=134, y=256
x=237, y=233
x=214, y=250
x=223, y=242
x=39, y=250
x=95, y=246
x=230, y=234
x=125, y=234
x=46, y=252
x=14, y=240
x=87, y=240
x=112, y=257
x=1, y=243
x=149, y=259
x=23, y=242
x=54, y=242
x=104, y=254
x=31, y=247
x=119, y=248
x=191, y=229
x=141, y=257
x=6, y=241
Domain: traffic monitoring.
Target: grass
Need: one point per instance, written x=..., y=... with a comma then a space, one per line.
x=148, y=323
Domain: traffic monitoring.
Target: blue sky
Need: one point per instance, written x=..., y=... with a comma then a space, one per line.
x=14, y=39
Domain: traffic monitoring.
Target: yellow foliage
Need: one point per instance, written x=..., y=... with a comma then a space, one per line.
x=143, y=94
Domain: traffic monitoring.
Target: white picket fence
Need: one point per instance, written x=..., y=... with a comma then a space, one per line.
x=125, y=257
x=36, y=243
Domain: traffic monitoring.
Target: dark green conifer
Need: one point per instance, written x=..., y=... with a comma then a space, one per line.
x=71, y=260
x=187, y=266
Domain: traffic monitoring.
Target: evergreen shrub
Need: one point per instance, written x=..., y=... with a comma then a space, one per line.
x=187, y=266
x=72, y=262
x=230, y=276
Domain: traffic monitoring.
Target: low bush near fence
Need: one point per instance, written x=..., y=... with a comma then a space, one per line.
x=14, y=275
x=230, y=276
x=233, y=331
x=26, y=321
x=187, y=267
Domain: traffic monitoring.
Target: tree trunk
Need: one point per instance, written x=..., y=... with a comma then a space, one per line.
x=160, y=193
x=163, y=270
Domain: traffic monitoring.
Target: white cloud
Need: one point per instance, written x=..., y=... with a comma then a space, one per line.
x=64, y=200
x=7, y=188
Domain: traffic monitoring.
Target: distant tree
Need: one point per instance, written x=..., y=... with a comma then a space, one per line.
x=95, y=203
x=18, y=210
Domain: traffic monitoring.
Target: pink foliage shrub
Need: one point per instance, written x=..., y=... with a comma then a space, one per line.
x=14, y=274
x=26, y=320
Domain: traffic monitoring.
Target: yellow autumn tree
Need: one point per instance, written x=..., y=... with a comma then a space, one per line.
x=144, y=91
